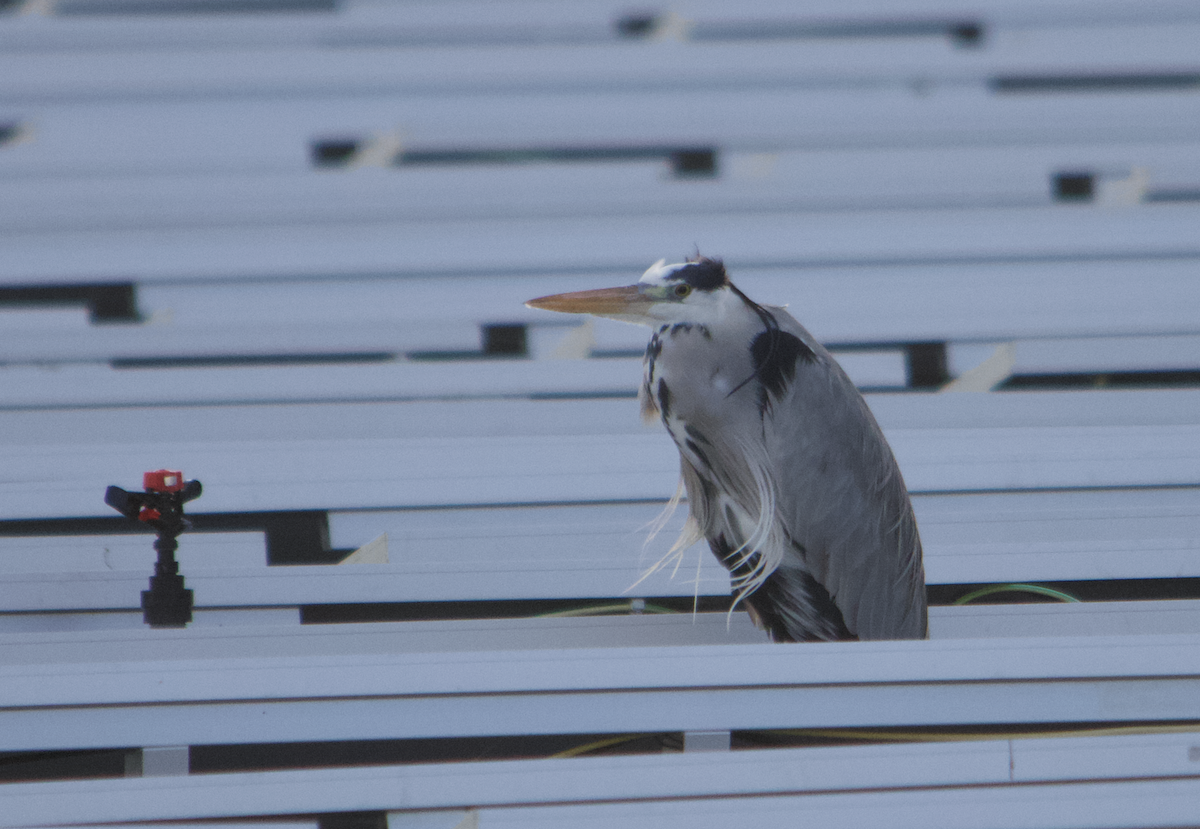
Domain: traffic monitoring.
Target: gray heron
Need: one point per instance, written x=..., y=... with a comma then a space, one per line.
x=787, y=474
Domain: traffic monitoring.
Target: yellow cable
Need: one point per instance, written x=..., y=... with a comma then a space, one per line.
x=920, y=736
x=598, y=744
x=606, y=609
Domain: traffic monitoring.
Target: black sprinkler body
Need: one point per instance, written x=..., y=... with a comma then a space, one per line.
x=167, y=604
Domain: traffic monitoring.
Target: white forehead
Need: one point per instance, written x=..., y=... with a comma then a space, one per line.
x=660, y=271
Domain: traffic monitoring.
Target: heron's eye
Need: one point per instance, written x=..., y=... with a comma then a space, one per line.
x=682, y=290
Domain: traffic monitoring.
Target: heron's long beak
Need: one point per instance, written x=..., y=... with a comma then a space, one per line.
x=628, y=303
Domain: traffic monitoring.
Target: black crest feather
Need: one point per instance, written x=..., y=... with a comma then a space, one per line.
x=704, y=274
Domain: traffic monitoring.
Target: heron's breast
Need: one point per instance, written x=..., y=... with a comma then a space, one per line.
x=699, y=371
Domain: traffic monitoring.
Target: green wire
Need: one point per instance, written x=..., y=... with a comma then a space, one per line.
x=1015, y=588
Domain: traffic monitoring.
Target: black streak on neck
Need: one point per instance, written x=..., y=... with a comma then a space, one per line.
x=664, y=400
x=653, y=349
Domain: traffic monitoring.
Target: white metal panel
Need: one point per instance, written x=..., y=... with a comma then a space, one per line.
x=653, y=782
x=272, y=638
x=381, y=419
x=273, y=135
x=118, y=70
x=488, y=784
x=261, y=633
x=1165, y=755
x=851, y=304
x=970, y=538
x=389, y=695
x=42, y=344
x=875, y=369
x=809, y=179
x=241, y=475
x=266, y=633
x=1064, y=619
x=281, y=824
x=502, y=418
x=625, y=242
x=1066, y=409
x=60, y=621
x=1105, y=354
x=165, y=342
x=479, y=418
x=601, y=551
x=78, y=553
x=23, y=322
x=466, y=431
x=1100, y=805
x=527, y=534
x=354, y=584
x=374, y=22
x=847, y=305
x=1059, y=536
x=86, y=385
x=284, y=457
x=855, y=303
x=170, y=665
x=607, y=578
x=1006, y=11
x=39, y=385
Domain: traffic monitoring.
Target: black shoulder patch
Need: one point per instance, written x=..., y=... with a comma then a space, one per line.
x=775, y=354
x=704, y=274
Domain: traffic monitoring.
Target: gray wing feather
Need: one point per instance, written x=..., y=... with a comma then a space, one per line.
x=843, y=499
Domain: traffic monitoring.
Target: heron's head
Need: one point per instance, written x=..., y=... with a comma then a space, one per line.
x=696, y=291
